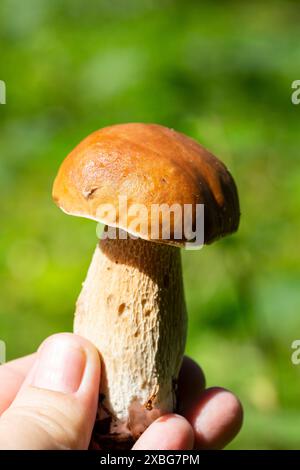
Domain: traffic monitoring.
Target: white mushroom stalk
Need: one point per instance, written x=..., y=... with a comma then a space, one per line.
x=132, y=308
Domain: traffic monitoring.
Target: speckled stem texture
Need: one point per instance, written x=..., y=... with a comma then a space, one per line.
x=132, y=308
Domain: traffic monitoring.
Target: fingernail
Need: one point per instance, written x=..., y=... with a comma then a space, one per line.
x=60, y=365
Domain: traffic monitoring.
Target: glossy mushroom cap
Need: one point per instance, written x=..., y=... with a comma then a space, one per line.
x=146, y=164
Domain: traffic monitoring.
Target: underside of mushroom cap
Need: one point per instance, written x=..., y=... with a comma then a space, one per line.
x=133, y=168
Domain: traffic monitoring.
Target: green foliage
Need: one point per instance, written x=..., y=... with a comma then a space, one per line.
x=222, y=74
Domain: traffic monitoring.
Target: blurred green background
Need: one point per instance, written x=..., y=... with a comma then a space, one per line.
x=220, y=72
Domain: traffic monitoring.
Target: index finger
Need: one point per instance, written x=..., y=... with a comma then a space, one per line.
x=12, y=375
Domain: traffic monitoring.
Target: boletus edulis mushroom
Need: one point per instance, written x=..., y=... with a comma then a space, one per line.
x=132, y=303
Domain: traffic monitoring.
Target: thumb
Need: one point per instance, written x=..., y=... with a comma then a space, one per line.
x=56, y=405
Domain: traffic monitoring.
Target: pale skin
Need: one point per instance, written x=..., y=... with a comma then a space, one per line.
x=48, y=400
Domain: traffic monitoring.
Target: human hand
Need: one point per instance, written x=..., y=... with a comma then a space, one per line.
x=48, y=400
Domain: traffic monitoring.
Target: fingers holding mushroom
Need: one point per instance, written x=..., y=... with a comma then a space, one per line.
x=215, y=414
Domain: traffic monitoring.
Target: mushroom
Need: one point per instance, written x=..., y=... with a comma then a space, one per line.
x=132, y=303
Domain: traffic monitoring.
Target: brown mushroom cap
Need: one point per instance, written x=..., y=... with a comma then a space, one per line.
x=149, y=164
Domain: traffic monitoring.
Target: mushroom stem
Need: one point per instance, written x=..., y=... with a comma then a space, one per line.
x=132, y=308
